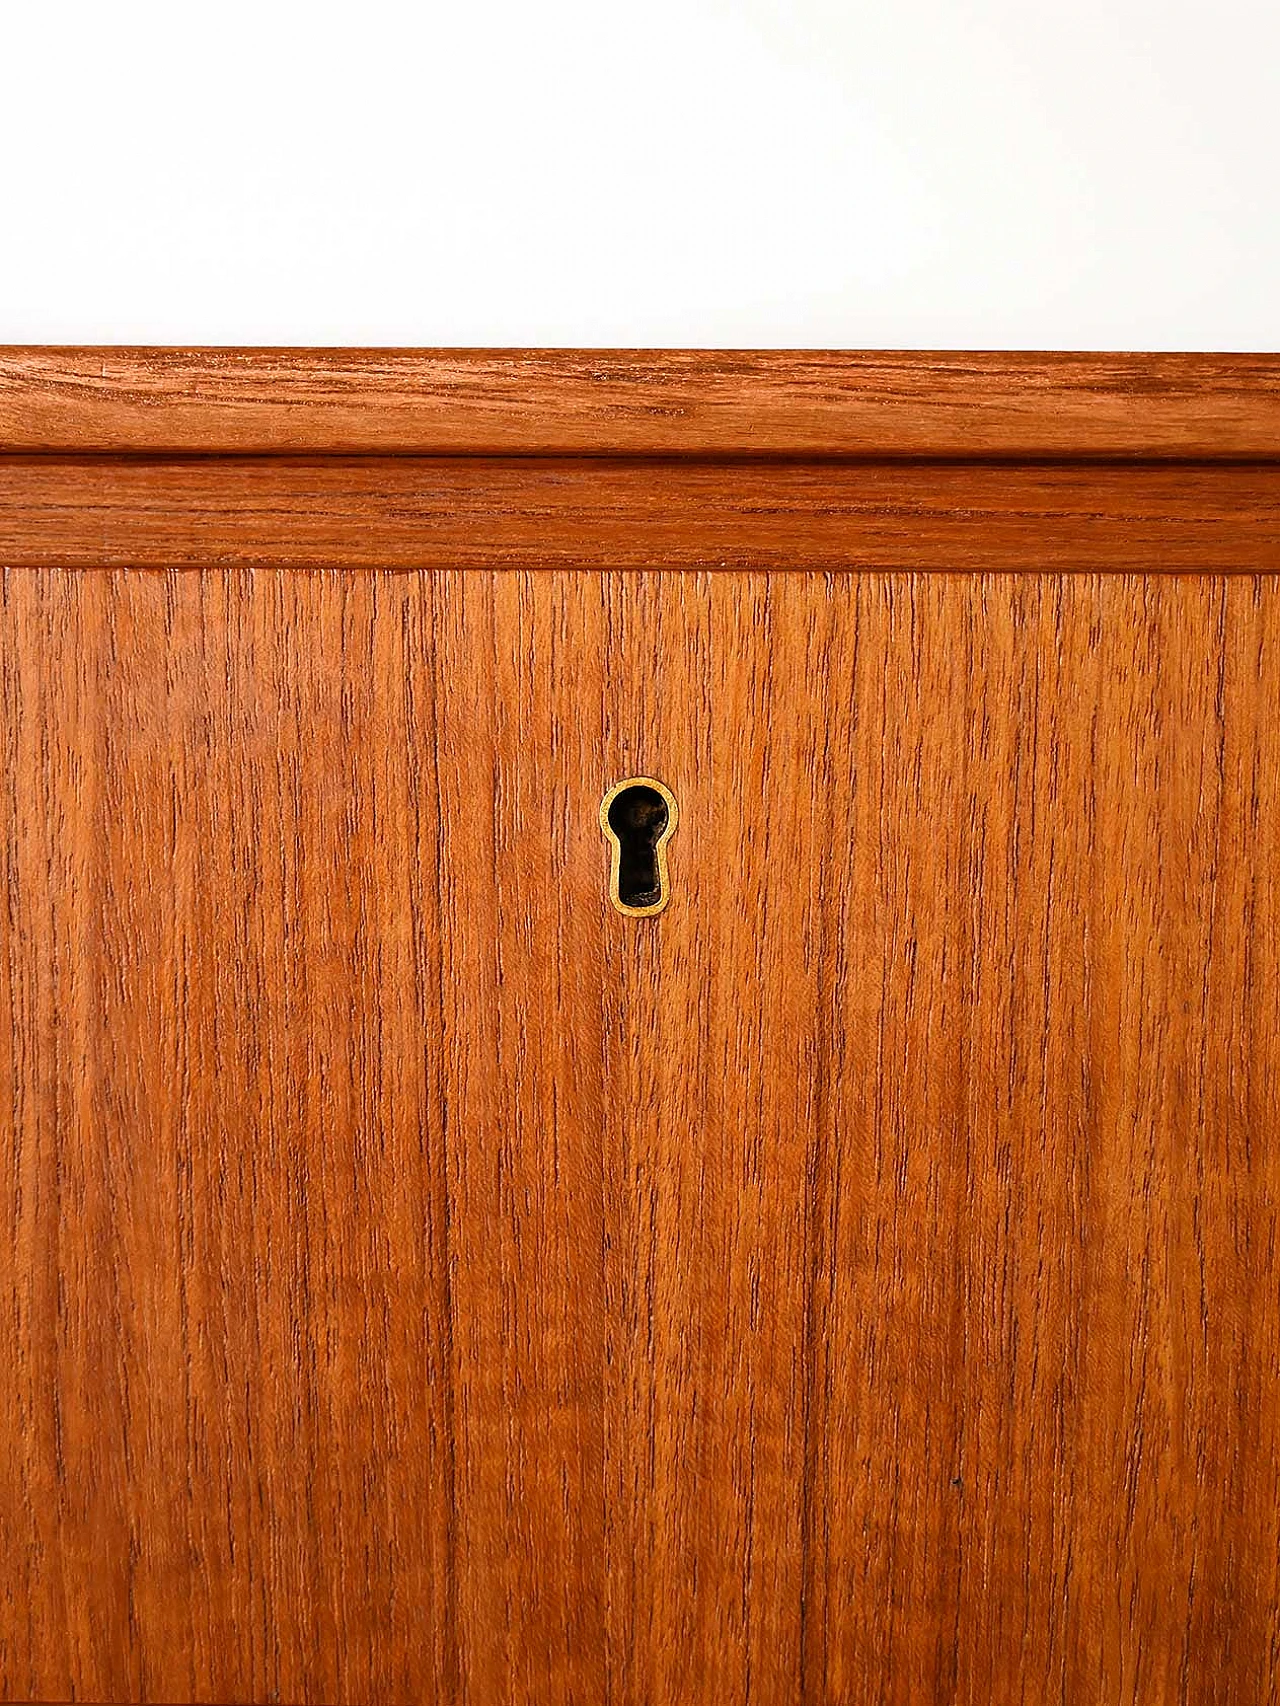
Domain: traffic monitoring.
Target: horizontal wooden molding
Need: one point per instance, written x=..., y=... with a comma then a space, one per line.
x=406, y=512
x=672, y=403
x=637, y=459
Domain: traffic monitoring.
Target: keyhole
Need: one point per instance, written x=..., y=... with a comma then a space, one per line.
x=639, y=817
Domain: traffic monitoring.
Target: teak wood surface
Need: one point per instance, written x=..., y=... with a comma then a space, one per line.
x=421, y=1285
x=791, y=403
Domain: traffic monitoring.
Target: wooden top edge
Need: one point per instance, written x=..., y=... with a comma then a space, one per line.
x=670, y=403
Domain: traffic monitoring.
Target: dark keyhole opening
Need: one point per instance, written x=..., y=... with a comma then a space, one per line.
x=638, y=816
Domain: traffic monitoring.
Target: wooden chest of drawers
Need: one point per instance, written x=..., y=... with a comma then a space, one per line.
x=849, y=1274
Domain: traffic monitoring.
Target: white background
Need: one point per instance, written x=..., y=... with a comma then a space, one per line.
x=876, y=173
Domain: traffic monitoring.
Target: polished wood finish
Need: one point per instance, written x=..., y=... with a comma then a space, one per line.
x=640, y=402
x=423, y=1284
x=535, y=513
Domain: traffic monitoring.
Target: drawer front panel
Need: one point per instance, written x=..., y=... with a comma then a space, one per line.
x=424, y=1283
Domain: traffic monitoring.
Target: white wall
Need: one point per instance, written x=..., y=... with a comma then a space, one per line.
x=950, y=173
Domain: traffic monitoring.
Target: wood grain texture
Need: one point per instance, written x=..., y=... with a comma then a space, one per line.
x=408, y=513
x=650, y=402
x=421, y=1284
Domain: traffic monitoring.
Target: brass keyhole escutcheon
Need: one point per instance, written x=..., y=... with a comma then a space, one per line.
x=639, y=817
